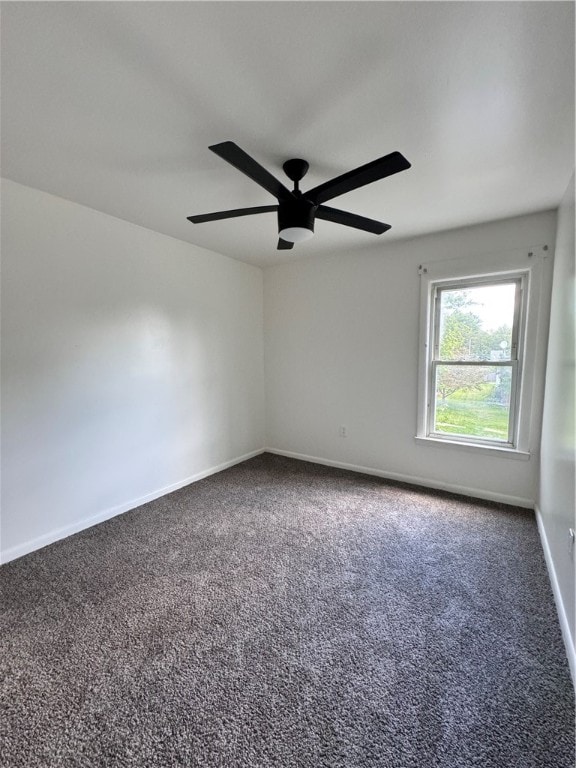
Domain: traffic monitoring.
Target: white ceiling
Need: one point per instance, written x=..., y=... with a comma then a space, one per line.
x=114, y=104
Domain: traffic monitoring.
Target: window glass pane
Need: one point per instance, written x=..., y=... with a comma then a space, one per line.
x=476, y=322
x=473, y=400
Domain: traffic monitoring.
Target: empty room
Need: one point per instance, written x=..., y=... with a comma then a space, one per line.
x=287, y=384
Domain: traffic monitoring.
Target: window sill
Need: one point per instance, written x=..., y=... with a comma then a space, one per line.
x=489, y=450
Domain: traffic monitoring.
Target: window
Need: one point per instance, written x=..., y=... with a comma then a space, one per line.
x=482, y=352
x=475, y=365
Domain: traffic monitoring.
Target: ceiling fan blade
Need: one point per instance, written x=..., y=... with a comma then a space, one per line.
x=231, y=214
x=351, y=220
x=232, y=153
x=284, y=245
x=365, y=174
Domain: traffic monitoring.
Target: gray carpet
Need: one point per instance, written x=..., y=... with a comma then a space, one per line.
x=285, y=614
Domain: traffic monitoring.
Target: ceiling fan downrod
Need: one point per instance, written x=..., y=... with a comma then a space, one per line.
x=296, y=169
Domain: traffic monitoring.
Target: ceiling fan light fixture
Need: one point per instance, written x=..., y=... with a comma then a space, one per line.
x=296, y=234
x=296, y=220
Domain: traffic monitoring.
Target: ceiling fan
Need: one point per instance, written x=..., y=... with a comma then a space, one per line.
x=297, y=210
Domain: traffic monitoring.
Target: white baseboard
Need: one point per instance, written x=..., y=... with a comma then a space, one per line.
x=516, y=501
x=569, y=641
x=80, y=525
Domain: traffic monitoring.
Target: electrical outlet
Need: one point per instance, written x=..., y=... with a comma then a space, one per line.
x=343, y=432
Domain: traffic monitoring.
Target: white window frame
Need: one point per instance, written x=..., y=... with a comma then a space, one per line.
x=526, y=266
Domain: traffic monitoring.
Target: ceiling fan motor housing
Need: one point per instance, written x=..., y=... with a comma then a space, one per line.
x=296, y=213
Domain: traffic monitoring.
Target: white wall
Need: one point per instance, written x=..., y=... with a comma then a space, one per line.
x=131, y=363
x=556, y=498
x=341, y=348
